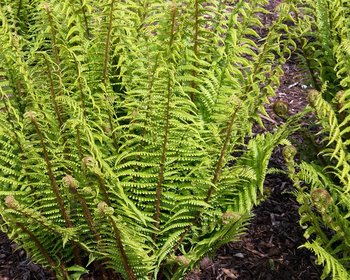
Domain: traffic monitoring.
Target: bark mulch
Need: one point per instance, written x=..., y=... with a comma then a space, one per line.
x=15, y=265
x=270, y=248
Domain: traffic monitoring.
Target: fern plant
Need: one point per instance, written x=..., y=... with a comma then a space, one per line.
x=323, y=186
x=323, y=192
x=324, y=40
x=126, y=129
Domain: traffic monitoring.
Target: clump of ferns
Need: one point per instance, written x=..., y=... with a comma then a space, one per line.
x=323, y=190
x=324, y=41
x=118, y=124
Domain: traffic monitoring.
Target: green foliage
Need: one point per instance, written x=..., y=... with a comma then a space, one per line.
x=126, y=129
x=324, y=38
x=323, y=187
x=323, y=191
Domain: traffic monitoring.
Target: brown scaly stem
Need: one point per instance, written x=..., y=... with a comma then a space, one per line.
x=27, y=213
x=90, y=221
x=162, y=165
x=87, y=29
x=58, y=110
x=19, y=88
x=121, y=249
x=52, y=178
x=195, y=42
x=89, y=164
x=43, y=251
x=108, y=44
x=86, y=212
x=53, y=35
x=4, y=98
x=221, y=160
x=165, y=138
x=54, y=185
x=107, y=211
x=103, y=189
x=57, y=61
x=53, y=96
x=78, y=142
x=216, y=176
x=220, y=163
x=106, y=68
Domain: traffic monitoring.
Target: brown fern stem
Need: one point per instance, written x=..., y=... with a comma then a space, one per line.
x=86, y=212
x=9, y=119
x=195, y=43
x=108, y=44
x=162, y=162
x=103, y=189
x=83, y=10
x=58, y=110
x=53, y=96
x=124, y=257
x=173, y=27
x=53, y=36
x=221, y=161
x=165, y=138
x=78, y=143
x=218, y=169
x=19, y=88
x=55, y=188
x=26, y=213
x=106, y=69
x=51, y=175
x=43, y=251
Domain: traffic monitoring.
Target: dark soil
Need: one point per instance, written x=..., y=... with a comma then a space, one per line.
x=14, y=264
x=270, y=247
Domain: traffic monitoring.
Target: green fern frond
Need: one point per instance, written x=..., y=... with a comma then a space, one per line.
x=332, y=265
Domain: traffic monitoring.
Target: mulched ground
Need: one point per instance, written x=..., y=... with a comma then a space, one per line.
x=270, y=247
x=14, y=264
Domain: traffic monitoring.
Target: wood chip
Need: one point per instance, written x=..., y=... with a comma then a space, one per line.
x=229, y=274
